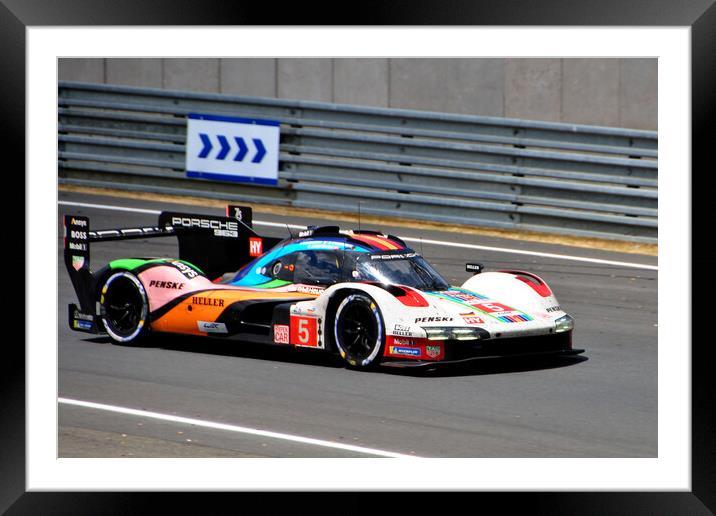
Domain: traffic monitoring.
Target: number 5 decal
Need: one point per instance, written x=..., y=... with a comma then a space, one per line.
x=492, y=307
x=304, y=331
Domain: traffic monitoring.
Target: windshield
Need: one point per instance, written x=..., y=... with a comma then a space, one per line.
x=411, y=270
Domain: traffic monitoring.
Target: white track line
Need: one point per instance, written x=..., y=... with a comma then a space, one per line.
x=534, y=253
x=109, y=207
x=233, y=428
x=407, y=239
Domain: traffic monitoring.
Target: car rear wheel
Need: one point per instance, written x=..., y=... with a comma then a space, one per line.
x=124, y=308
x=359, y=332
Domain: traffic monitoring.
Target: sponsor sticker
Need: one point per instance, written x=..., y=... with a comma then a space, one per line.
x=399, y=350
x=433, y=319
x=84, y=317
x=400, y=256
x=211, y=327
x=82, y=325
x=207, y=301
x=464, y=296
x=417, y=348
x=187, y=271
x=166, y=284
x=324, y=244
x=401, y=341
x=77, y=262
x=280, y=334
x=433, y=351
x=473, y=319
x=307, y=289
x=80, y=235
x=554, y=309
x=76, y=232
x=214, y=224
x=401, y=330
x=255, y=246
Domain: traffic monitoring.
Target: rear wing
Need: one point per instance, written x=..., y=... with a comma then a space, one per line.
x=214, y=244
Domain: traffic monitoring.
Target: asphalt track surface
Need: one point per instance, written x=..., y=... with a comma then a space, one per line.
x=268, y=402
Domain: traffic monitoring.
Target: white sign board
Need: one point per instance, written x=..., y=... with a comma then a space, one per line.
x=233, y=149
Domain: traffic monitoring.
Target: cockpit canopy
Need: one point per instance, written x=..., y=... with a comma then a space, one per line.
x=408, y=269
x=325, y=265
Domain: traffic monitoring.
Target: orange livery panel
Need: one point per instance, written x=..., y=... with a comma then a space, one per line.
x=193, y=312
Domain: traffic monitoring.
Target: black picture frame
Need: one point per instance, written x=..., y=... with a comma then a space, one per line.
x=699, y=15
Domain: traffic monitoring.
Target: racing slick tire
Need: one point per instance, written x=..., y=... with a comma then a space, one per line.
x=124, y=308
x=359, y=331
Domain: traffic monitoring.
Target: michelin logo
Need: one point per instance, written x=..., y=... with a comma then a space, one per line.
x=82, y=325
x=398, y=350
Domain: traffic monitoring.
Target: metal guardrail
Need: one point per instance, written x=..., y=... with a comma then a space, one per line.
x=482, y=171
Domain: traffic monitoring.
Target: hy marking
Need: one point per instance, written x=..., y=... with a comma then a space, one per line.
x=407, y=239
x=232, y=428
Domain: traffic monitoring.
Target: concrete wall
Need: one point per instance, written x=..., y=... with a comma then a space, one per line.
x=612, y=92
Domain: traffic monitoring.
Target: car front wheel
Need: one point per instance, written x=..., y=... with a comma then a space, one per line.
x=359, y=331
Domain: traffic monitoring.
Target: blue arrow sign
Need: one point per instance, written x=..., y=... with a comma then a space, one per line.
x=225, y=147
x=260, y=151
x=207, y=145
x=243, y=149
x=232, y=149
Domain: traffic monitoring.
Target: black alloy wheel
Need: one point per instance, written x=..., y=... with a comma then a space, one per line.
x=123, y=307
x=359, y=331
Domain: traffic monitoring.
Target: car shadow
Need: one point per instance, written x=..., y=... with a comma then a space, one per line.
x=286, y=354
x=233, y=348
x=488, y=366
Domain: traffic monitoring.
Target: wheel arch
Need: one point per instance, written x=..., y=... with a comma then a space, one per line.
x=347, y=299
x=387, y=304
x=330, y=314
x=523, y=289
x=105, y=286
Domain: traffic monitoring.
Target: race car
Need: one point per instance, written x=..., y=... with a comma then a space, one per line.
x=363, y=295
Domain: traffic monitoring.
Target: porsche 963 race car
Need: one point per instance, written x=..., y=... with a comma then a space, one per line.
x=363, y=295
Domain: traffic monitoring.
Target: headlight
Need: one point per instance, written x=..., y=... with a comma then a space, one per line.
x=437, y=333
x=452, y=333
x=464, y=333
x=565, y=323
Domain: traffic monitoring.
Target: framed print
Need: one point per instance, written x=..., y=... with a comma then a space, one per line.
x=660, y=471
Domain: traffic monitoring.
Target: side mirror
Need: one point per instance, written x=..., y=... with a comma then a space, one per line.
x=475, y=268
